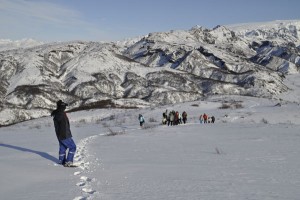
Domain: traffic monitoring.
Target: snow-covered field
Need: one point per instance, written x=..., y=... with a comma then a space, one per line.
x=251, y=152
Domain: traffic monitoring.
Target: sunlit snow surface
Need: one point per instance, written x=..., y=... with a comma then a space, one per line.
x=251, y=152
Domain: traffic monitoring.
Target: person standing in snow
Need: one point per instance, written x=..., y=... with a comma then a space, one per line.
x=184, y=117
x=142, y=120
x=213, y=119
x=164, y=120
x=64, y=135
x=201, y=119
x=180, y=119
x=176, y=118
x=171, y=116
x=205, y=118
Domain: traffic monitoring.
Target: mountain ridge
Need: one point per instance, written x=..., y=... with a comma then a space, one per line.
x=156, y=69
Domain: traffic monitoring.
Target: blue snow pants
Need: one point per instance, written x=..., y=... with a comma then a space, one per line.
x=64, y=145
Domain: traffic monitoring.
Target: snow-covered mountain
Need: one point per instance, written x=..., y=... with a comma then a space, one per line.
x=280, y=31
x=7, y=44
x=160, y=68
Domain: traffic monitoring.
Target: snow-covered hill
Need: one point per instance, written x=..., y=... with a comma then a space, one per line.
x=157, y=69
x=251, y=152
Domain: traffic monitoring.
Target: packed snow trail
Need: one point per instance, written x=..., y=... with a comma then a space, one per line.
x=87, y=165
x=84, y=182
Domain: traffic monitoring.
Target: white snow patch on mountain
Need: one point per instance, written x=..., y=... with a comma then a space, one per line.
x=279, y=31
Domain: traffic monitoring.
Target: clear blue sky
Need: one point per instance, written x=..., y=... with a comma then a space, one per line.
x=108, y=20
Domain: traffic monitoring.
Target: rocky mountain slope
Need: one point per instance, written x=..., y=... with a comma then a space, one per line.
x=160, y=68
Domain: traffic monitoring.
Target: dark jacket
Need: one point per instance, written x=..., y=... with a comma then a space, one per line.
x=61, y=124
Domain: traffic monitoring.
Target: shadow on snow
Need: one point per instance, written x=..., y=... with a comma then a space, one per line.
x=42, y=154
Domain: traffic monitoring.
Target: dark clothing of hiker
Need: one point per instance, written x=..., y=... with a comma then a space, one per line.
x=63, y=133
x=184, y=117
x=142, y=120
x=171, y=117
x=212, y=119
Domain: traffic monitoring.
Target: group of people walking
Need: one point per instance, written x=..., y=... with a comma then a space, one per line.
x=206, y=119
x=174, y=118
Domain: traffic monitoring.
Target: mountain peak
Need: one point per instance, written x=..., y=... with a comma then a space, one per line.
x=219, y=27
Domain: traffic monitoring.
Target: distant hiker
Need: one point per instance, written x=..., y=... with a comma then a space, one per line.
x=209, y=120
x=176, y=119
x=205, y=118
x=212, y=119
x=63, y=133
x=164, y=119
x=180, y=119
x=141, y=119
x=201, y=119
x=168, y=119
x=171, y=117
x=184, y=117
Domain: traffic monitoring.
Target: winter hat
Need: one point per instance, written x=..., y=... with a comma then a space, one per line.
x=61, y=103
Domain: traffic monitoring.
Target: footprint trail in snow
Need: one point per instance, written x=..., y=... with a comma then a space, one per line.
x=85, y=182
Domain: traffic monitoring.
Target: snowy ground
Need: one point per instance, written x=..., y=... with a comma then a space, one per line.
x=252, y=152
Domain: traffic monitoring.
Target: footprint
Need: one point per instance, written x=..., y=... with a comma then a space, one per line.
x=84, y=178
x=88, y=190
x=85, y=182
x=80, y=184
x=77, y=173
